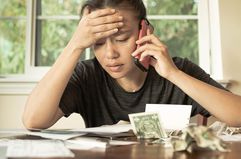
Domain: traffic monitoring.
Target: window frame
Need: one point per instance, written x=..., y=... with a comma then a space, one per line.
x=208, y=34
x=30, y=67
x=14, y=18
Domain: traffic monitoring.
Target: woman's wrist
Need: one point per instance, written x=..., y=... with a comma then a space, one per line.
x=73, y=49
x=173, y=75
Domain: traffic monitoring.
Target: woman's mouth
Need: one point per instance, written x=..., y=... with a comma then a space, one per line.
x=115, y=68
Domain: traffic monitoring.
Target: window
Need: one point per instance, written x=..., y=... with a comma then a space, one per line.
x=12, y=36
x=55, y=24
x=176, y=23
x=34, y=32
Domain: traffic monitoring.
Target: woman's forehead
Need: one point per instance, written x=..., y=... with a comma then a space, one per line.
x=129, y=18
x=127, y=13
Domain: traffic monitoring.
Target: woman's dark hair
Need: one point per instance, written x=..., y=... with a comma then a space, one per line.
x=135, y=5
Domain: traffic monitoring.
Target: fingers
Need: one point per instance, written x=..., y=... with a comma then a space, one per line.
x=105, y=34
x=154, y=52
x=98, y=24
x=144, y=48
x=151, y=53
x=151, y=39
x=150, y=30
x=103, y=16
x=153, y=61
x=151, y=46
x=106, y=19
x=107, y=27
x=101, y=13
x=104, y=22
x=150, y=42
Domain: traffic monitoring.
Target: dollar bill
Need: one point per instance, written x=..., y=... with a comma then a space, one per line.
x=198, y=137
x=147, y=125
x=223, y=129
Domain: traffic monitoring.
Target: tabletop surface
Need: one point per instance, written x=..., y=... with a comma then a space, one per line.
x=143, y=150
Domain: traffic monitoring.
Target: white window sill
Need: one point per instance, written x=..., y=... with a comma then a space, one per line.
x=17, y=85
x=224, y=82
x=23, y=85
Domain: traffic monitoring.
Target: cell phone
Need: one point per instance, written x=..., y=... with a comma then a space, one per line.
x=144, y=64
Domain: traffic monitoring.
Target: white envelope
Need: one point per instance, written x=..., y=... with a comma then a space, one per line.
x=173, y=117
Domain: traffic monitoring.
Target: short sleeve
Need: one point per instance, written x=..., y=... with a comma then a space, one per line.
x=69, y=99
x=72, y=98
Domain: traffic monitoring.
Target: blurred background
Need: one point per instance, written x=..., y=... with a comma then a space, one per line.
x=34, y=32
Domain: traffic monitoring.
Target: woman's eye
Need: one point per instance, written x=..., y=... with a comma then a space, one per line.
x=99, y=44
x=122, y=40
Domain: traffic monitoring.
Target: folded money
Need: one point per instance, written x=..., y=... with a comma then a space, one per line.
x=147, y=125
x=198, y=137
x=223, y=129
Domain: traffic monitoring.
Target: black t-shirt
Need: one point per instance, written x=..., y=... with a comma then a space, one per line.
x=99, y=99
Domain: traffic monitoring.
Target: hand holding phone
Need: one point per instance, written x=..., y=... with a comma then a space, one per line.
x=144, y=64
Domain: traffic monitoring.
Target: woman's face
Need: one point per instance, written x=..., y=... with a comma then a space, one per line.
x=114, y=52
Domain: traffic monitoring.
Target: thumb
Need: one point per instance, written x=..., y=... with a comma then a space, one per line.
x=150, y=29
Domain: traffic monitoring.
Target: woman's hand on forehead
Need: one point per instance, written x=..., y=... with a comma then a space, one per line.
x=102, y=12
x=104, y=16
x=96, y=25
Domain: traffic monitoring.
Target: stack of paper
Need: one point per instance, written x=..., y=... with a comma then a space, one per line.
x=173, y=117
x=62, y=140
x=36, y=148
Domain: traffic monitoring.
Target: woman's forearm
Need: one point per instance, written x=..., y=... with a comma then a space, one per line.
x=220, y=103
x=43, y=103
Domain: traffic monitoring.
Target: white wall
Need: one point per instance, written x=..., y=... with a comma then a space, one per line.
x=11, y=109
x=230, y=21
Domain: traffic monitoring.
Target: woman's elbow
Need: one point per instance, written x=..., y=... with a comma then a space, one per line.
x=235, y=122
x=31, y=123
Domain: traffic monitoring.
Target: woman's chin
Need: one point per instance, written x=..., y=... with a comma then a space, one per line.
x=116, y=75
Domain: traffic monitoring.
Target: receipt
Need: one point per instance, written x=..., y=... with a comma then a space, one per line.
x=37, y=148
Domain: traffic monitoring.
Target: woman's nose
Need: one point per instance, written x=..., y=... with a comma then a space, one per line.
x=111, y=51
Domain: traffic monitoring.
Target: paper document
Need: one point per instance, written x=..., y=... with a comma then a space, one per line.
x=86, y=143
x=3, y=148
x=56, y=134
x=107, y=129
x=48, y=133
x=3, y=152
x=6, y=133
x=114, y=130
x=37, y=148
x=231, y=138
x=173, y=117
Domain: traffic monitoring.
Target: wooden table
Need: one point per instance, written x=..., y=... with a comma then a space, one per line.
x=152, y=151
x=142, y=151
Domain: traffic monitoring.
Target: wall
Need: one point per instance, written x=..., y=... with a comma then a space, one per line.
x=230, y=21
x=11, y=109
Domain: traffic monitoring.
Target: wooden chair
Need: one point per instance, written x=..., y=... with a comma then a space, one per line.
x=201, y=120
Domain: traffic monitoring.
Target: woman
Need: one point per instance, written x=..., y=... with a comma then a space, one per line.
x=107, y=88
